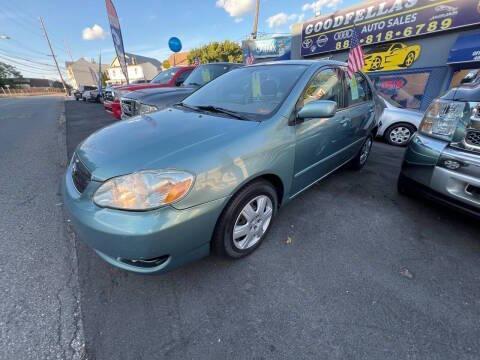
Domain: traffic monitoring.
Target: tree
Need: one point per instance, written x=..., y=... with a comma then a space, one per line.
x=8, y=71
x=166, y=64
x=217, y=51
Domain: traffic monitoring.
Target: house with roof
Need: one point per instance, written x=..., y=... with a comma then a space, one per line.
x=83, y=72
x=140, y=68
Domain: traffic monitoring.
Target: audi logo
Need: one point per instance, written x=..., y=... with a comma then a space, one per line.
x=343, y=35
x=307, y=43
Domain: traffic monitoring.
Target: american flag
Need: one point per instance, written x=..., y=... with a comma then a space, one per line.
x=250, y=58
x=355, y=56
x=196, y=62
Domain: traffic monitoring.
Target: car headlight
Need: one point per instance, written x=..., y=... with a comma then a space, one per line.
x=144, y=190
x=442, y=118
x=145, y=109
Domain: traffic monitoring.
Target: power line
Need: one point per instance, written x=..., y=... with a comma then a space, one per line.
x=23, y=64
x=23, y=59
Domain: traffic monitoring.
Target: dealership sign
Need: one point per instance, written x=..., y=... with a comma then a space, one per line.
x=273, y=47
x=387, y=20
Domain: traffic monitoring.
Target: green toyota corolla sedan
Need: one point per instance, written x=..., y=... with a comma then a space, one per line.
x=156, y=191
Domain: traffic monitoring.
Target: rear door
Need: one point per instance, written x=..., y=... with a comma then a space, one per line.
x=359, y=112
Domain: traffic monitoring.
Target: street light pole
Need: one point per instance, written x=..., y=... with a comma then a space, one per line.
x=53, y=55
x=255, y=22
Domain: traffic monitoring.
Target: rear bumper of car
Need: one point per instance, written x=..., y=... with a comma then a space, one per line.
x=444, y=173
x=144, y=242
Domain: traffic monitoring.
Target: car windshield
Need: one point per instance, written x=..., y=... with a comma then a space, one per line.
x=254, y=92
x=206, y=73
x=377, y=49
x=163, y=77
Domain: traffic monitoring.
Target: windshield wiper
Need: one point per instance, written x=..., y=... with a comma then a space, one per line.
x=182, y=104
x=220, y=110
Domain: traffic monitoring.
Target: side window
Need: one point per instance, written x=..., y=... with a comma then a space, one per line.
x=358, y=90
x=181, y=78
x=324, y=85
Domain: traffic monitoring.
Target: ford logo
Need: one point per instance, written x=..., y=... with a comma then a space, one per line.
x=343, y=35
x=322, y=40
x=307, y=43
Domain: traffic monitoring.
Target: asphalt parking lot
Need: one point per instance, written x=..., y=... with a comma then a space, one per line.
x=351, y=270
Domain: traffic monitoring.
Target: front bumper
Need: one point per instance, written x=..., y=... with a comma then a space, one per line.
x=430, y=163
x=123, y=238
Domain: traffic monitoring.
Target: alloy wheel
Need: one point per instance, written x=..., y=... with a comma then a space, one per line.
x=252, y=222
x=365, y=150
x=400, y=135
x=410, y=59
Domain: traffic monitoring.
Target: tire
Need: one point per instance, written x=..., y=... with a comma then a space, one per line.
x=76, y=98
x=409, y=59
x=84, y=99
x=376, y=63
x=399, y=134
x=359, y=161
x=234, y=216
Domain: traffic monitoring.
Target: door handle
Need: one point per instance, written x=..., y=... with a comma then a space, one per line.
x=345, y=121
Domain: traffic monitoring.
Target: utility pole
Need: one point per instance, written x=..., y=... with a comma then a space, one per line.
x=255, y=22
x=53, y=55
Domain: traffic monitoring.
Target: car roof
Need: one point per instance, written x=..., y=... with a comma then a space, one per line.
x=303, y=62
x=222, y=63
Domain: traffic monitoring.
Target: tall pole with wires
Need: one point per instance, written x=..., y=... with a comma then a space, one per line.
x=255, y=22
x=53, y=55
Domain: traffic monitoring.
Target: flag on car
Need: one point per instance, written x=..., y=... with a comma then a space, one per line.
x=196, y=62
x=356, y=61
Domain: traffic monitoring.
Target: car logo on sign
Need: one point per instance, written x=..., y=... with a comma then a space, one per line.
x=307, y=43
x=322, y=40
x=343, y=35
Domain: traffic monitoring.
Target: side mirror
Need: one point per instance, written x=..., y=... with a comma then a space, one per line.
x=318, y=109
x=178, y=82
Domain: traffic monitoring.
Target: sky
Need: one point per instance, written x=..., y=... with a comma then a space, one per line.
x=80, y=28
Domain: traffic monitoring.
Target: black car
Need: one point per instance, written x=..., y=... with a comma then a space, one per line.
x=148, y=100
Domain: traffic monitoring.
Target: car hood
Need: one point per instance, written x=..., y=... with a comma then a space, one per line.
x=135, y=87
x=172, y=138
x=145, y=94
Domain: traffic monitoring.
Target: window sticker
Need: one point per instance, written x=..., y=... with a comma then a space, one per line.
x=354, y=88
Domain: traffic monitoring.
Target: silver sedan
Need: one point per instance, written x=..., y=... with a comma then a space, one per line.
x=397, y=124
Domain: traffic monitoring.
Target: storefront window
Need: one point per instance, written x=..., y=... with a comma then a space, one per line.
x=459, y=75
x=405, y=89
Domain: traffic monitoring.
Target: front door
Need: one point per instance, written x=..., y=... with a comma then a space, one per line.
x=319, y=141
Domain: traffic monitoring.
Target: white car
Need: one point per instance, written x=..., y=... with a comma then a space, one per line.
x=397, y=124
x=91, y=95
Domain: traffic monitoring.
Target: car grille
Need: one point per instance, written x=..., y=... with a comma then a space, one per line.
x=80, y=174
x=129, y=107
x=473, y=138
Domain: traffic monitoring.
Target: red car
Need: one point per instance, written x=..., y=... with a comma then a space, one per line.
x=172, y=77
